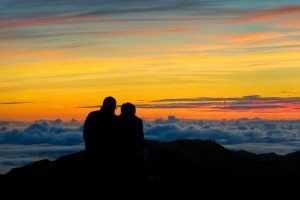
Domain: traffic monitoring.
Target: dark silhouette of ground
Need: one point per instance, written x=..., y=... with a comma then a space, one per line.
x=183, y=168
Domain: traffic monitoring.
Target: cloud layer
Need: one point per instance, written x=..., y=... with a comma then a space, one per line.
x=255, y=135
x=226, y=132
x=43, y=132
x=23, y=143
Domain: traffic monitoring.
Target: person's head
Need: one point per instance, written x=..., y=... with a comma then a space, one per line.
x=109, y=105
x=128, y=109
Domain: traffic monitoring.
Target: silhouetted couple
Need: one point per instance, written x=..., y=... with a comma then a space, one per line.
x=114, y=144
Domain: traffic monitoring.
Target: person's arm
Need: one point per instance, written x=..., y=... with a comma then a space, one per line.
x=87, y=130
x=140, y=137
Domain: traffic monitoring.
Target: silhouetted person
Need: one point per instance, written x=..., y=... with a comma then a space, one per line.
x=99, y=127
x=131, y=135
x=131, y=141
x=99, y=134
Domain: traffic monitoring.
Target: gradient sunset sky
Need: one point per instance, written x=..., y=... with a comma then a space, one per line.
x=200, y=59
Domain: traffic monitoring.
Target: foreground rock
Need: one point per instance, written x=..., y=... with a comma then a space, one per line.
x=183, y=168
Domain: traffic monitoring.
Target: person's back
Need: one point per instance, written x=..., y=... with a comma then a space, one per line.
x=130, y=157
x=100, y=137
x=131, y=135
x=99, y=131
x=99, y=127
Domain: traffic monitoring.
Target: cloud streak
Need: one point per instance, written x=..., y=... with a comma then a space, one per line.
x=15, y=102
x=33, y=13
x=268, y=14
x=124, y=32
x=237, y=99
x=44, y=21
x=79, y=11
x=251, y=102
x=254, y=107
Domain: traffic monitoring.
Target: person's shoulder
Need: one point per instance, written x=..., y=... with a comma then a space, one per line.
x=139, y=123
x=94, y=113
x=139, y=120
x=119, y=119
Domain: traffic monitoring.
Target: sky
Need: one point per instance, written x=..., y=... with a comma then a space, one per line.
x=195, y=59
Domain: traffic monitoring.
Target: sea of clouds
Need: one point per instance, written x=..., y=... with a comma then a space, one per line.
x=22, y=143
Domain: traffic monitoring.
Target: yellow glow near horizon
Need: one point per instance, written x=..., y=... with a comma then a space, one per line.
x=59, y=87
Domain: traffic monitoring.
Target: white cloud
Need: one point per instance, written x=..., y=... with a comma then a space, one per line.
x=58, y=132
x=54, y=132
x=22, y=143
x=236, y=134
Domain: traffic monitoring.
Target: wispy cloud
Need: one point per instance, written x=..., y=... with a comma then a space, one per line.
x=263, y=39
x=250, y=107
x=174, y=105
x=95, y=106
x=44, y=21
x=247, y=98
x=26, y=14
x=248, y=37
x=15, y=102
x=109, y=33
x=251, y=102
x=34, y=13
x=290, y=23
x=267, y=14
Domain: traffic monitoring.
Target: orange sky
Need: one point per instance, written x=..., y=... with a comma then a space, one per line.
x=243, y=57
